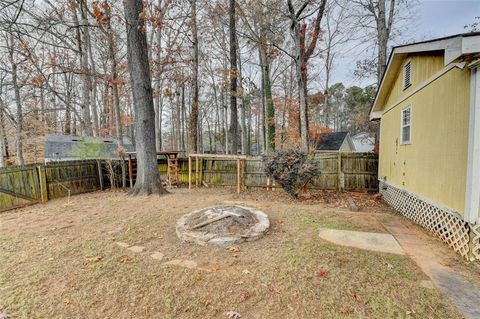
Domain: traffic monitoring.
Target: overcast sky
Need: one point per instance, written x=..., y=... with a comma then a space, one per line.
x=434, y=19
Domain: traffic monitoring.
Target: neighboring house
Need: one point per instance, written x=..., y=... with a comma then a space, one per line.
x=333, y=142
x=363, y=142
x=428, y=104
x=67, y=148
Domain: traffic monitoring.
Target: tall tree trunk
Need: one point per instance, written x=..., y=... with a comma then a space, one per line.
x=263, y=138
x=270, y=107
x=242, y=108
x=248, y=105
x=383, y=31
x=114, y=72
x=68, y=113
x=93, y=89
x=83, y=50
x=158, y=88
x=194, y=114
x=302, y=53
x=148, y=179
x=18, y=104
x=233, y=80
x=182, y=118
x=2, y=139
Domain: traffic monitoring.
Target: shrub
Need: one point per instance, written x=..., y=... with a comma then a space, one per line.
x=291, y=169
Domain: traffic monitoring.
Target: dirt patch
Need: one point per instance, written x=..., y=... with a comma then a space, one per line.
x=63, y=261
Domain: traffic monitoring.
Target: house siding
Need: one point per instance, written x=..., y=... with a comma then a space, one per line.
x=423, y=67
x=434, y=164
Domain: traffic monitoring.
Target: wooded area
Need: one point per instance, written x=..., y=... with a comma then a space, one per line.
x=229, y=77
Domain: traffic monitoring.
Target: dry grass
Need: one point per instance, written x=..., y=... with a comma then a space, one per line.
x=61, y=261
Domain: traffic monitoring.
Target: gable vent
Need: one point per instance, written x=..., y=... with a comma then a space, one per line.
x=407, y=75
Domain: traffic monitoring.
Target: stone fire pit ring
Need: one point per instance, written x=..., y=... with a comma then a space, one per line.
x=223, y=226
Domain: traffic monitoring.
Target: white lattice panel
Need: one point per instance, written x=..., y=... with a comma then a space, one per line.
x=446, y=225
x=476, y=241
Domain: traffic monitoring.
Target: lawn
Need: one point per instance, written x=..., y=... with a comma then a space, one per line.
x=62, y=260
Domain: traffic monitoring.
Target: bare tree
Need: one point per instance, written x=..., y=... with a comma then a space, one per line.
x=233, y=79
x=194, y=114
x=302, y=53
x=148, y=179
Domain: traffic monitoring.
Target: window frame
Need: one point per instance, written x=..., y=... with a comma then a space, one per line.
x=409, y=125
x=405, y=86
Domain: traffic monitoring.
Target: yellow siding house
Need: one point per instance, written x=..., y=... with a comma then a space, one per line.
x=428, y=104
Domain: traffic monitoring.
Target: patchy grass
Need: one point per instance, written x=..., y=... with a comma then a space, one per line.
x=61, y=261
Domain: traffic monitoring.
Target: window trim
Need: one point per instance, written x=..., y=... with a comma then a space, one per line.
x=402, y=126
x=405, y=86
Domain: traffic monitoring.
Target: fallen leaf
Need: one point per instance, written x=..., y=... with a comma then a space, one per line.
x=322, y=274
x=355, y=297
x=125, y=259
x=94, y=258
x=234, y=249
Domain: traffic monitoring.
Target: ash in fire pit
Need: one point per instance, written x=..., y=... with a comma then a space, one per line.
x=222, y=225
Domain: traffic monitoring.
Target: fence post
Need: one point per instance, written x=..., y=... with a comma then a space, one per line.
x=340, y=180
x=100, y=175
x=244, y=174
x=42, y=177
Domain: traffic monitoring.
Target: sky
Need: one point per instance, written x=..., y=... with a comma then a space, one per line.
x=432, y=19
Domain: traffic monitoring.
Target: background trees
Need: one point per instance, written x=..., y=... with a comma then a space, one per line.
x=227, y=76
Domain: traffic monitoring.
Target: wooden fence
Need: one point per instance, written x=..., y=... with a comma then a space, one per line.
x=40, y=182
x=339, y=171
x=31, y=184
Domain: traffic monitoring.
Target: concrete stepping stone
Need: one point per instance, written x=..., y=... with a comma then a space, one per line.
x=384, y=243
x=121, y=244
x=157, y=255
x=189, y=264
x=137, y=249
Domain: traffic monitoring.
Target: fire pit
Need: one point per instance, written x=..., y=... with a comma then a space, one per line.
x=222, y=225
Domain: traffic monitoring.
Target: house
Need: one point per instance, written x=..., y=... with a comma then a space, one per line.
x=68, y=148
x=428, y=104
x=333, y=142
x=363, y=142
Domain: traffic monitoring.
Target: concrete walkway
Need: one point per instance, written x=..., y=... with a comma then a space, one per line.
x=384, y=243
x=462, y=293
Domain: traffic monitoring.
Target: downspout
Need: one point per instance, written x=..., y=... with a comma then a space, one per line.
x=472, y=192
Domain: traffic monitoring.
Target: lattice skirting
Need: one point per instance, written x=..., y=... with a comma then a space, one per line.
x=463, y=237
x=475, y=236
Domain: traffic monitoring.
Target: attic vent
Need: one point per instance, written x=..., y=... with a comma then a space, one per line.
x=407, y=75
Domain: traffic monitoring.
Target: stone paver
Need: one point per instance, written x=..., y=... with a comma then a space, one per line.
x=462, y=293
x=137, y=249
x=157, y=255
x=121, y=244
x=385, y=243
x=185, y=263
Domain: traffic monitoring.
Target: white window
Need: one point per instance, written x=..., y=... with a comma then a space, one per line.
x=406, y=125
x=407, y=74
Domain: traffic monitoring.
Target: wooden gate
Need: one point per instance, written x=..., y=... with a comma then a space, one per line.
x=19, y=186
